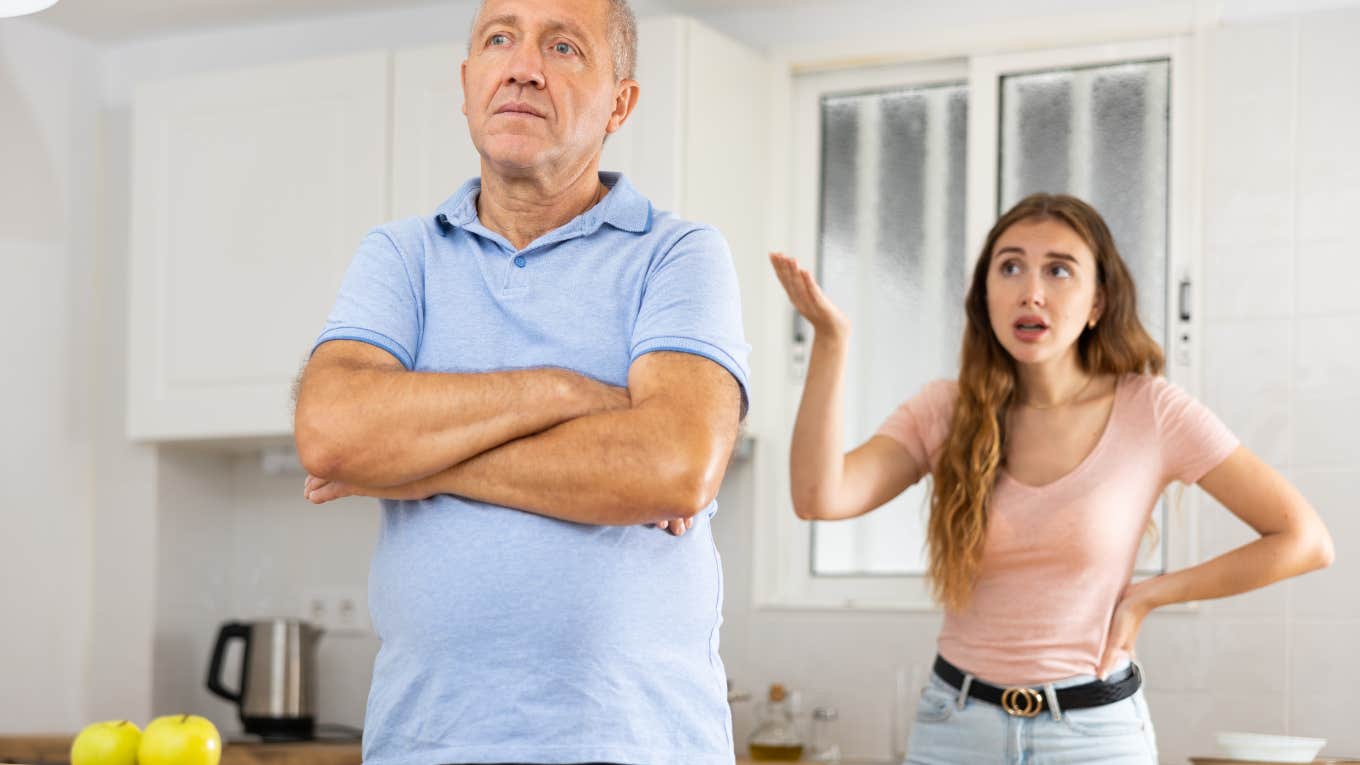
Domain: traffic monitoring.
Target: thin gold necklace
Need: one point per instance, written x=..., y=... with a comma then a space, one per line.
x=1070, y=399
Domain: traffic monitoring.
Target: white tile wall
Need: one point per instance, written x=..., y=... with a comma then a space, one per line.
x=1324, y=671
x=1326, y=277
x=1256, y=405
x=1329, y=108
x=1327, y=391
x=1249, y=161
x=1282, y=343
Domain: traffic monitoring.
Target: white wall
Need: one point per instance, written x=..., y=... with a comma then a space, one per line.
x=48, y=160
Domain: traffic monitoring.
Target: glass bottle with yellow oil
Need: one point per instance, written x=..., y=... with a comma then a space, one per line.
x=776, y=736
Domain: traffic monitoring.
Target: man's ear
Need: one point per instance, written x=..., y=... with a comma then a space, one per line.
x=625, y=101
x=462, y=78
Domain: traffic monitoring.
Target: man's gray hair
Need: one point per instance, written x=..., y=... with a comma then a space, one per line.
x=623, y=37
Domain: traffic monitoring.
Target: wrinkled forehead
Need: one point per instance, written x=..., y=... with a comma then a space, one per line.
x=580, y=17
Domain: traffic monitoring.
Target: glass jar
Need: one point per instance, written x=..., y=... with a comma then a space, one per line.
x=822, y=743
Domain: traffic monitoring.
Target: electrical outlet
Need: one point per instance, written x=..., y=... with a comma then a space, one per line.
x=337, y=610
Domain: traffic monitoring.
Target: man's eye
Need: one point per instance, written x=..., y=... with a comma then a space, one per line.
x=564, y=48
x=498, y=40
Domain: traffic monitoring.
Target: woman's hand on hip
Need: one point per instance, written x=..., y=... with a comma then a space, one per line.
x=1124, y=625
x=808, y=298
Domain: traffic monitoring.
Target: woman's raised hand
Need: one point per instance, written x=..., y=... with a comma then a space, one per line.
x=826, y=319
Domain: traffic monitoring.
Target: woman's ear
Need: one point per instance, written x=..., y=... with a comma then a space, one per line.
x=1097, y=308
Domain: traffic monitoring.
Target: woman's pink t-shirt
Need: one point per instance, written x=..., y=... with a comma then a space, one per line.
x=1057, y=557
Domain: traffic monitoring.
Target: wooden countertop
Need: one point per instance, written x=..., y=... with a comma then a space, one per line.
x=57, y=748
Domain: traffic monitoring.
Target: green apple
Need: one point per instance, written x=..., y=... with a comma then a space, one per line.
x=113, y=742
x=180, y=740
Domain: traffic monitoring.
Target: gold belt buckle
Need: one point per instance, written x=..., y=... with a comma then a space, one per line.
x=1022, y=702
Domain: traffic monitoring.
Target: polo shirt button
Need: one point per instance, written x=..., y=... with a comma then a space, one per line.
x=520, y=261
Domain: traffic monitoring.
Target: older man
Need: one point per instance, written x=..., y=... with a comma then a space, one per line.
x=472, y=375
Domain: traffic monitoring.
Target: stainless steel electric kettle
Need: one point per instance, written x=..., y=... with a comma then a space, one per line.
x=276, y=692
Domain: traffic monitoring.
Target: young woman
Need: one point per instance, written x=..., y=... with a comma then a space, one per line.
x=1047, y=457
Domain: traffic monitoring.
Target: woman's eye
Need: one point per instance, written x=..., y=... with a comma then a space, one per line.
x=1010, y=267
x=564, y=48
x=1061, y=271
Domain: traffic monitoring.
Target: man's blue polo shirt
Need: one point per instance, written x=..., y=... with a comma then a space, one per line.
x=508, y=636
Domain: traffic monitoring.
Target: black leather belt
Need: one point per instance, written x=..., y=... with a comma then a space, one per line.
x=1027, y=702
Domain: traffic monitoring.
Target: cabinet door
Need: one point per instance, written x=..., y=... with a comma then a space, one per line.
x=432, y=154
x=251, y=190
x=726, y=160
x=647, y=149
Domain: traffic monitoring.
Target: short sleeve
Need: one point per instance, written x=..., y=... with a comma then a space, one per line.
x=379, y=302
x=1193, y=440
x=921, y=423
x=691, y=304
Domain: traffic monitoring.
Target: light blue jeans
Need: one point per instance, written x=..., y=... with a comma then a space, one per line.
x=952, y=729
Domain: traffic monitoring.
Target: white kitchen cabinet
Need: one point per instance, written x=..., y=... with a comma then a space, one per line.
x=432, y=153
x=251, y=190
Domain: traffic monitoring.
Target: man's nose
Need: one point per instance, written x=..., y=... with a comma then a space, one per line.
x=526, y=67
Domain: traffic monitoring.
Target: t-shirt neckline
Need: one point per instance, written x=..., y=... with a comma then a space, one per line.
x=1088, y=460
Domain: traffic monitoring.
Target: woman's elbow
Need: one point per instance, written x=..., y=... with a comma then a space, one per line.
x=1322, y=551
x=806, y=508
x=1311, y=549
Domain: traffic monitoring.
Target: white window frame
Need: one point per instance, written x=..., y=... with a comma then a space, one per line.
x=782, y=554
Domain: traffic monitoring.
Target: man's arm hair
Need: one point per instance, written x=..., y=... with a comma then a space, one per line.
x=662, y=458
x=363, y=419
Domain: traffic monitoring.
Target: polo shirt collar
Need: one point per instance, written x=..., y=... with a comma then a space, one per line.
x=623, y=208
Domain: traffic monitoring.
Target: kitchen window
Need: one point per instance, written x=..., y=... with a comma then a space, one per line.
x=898, y=174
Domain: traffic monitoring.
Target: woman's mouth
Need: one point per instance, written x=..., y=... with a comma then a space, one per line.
x=1029, y=329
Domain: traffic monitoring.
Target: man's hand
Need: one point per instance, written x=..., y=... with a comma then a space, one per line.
x=319, y=491
x=676, y=526
x=599, y=397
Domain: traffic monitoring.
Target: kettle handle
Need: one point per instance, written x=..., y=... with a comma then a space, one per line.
x=229, y=631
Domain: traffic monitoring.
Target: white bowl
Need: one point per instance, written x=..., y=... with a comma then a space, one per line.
x=1266, y=748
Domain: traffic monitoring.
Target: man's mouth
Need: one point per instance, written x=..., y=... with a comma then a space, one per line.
x=519, y=107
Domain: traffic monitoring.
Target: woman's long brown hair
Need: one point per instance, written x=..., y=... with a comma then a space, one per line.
x=973, y=451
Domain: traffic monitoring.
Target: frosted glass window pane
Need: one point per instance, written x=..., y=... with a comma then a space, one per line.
x=891, y=255
x=1101, y=133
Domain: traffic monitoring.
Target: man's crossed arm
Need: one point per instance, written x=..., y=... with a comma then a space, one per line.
x=547, y=441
